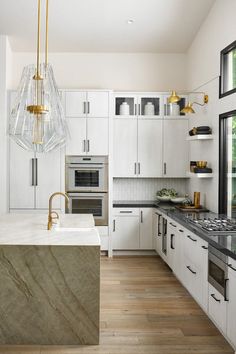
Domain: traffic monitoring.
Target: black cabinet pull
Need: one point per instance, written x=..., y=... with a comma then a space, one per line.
x=181, y=230
x=192, y=239
x=171, y=241
x=192, y=271
x=206, y=248
x=230, y=265
x=225, y=291
x=114, y=225
x=213, y=295
x=172, y=224
x=125, y=211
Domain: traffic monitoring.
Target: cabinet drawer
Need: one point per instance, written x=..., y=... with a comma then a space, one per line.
x=217, y=308
x=125, y=211
x=192, y=247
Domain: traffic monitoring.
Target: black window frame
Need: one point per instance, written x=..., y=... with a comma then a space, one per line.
x=223, y=152
x=224, y=51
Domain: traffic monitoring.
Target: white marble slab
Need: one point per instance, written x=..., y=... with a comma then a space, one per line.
x=31, y=229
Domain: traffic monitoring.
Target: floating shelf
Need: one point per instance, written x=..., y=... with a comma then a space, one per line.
x=200, y=175
x=200, y=137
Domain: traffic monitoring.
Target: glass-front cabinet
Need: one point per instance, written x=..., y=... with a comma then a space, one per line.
x=138, y=105
x=174, y=109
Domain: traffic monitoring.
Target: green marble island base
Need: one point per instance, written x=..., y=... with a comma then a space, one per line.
x=49, y=295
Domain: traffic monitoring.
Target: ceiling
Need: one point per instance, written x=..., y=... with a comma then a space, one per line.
x=160, y=26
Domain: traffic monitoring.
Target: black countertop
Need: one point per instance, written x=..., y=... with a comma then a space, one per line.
x=226, y=243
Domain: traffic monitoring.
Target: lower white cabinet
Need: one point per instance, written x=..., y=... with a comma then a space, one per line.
x=157, y=231
x=217, y=308
x=146, y=238
x=174, y=251
x=126, y=230
x=231, y=304
x=132, y=229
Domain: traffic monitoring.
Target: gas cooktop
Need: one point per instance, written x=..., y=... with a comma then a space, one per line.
x=215, y=226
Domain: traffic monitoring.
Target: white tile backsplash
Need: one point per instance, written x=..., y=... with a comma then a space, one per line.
x=145, y=188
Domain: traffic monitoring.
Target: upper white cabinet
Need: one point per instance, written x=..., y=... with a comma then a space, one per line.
x=150, y=148
x=125, y=147
x=175, y=147
x=138, y=105
x=146, y=235
x=87, y=116
x=87, y=104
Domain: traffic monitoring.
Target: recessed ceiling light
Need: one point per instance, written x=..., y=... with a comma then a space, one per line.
x=130, y=21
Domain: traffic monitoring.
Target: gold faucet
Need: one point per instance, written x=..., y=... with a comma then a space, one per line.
x=51, y=212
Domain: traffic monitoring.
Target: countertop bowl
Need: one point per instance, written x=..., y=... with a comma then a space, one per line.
x=178, y=200
x=164, y=198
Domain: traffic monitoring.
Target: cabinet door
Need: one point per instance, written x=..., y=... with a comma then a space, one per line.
x=146, y=237
x=150, y=106
x=157, y=231
x=49, y=179
x=21, y=179
x=125, y=147
x=97, y=104
x=97, y=136
x=126, y=233
x=75, y=104
x=231, y=310
x=150, y=148
x=126, y=105
x=217, y=308
x=76, y=143
x=175, y=148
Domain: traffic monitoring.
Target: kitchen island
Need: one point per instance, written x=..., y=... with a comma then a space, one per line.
x=49, y=280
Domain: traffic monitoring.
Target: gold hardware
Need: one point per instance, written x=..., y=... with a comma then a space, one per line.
x=51, y=212
x=37, y=109
x=173, y=97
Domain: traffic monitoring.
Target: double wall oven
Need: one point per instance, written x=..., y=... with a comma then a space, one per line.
x=87, y=186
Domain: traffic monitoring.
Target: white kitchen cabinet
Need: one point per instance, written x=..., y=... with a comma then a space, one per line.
x=170, y=110
x=33, y=178
x=125, y=147
x=135, y=105
x=231, y=304
x=86, y=103
x=97, y=104
x=217, y=308
x=150, y=148
x=75, y=104
x=125, y=234
x=21, y=184
x=97, y=136
x=175, y=248
x=87, y=136
x=157, y=230
x=77, y=141
x=146, y=236
x=175, y=147
x=49, y=181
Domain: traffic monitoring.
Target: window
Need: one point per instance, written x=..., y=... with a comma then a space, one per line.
x=228, y=70
x=227, y=164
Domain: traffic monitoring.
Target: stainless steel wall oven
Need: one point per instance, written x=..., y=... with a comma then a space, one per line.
x=87, y=186
x=217, y=270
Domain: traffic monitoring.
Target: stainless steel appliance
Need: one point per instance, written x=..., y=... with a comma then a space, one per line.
x=90, y=203
x=87, y=186
x=214, y=226
x=86, y=173
x=217, y=270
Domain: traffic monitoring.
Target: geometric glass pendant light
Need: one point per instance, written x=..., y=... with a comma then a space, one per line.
x=37, y=121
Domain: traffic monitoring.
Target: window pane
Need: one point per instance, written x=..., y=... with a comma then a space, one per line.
x=228, y=74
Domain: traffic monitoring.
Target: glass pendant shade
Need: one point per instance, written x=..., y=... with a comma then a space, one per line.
x=37, y=121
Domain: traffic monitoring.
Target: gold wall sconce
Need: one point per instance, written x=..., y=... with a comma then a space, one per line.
x=188, y=109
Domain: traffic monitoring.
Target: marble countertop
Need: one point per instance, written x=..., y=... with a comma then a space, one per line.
x=31, y=229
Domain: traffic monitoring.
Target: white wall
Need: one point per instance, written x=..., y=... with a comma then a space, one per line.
x=203, y=59
x=5, y=69
x=118, y=71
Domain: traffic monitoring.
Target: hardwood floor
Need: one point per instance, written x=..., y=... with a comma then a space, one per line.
x=144, y=310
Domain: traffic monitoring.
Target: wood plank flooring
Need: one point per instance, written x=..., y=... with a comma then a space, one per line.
x=144, y=310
